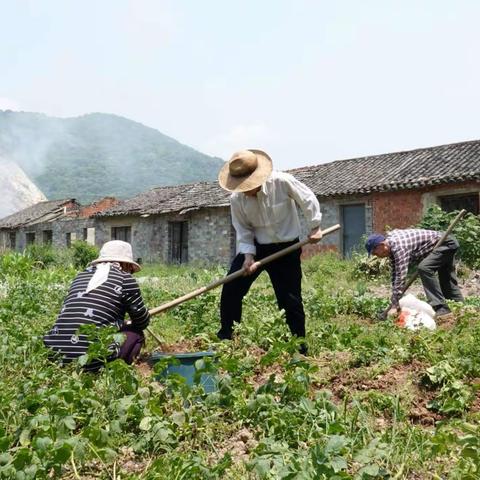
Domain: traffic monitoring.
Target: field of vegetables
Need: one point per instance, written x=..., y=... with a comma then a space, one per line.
x=372, y=401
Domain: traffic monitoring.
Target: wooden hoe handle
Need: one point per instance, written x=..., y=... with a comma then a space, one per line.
x=237, y=274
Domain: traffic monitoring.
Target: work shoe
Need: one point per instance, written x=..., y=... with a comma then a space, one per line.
x=443, y=314
x=303, y=349
x=224, y=335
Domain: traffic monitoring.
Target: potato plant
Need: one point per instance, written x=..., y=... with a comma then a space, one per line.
x=372, y=401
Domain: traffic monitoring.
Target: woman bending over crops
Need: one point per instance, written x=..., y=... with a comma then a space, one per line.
x=100, y=296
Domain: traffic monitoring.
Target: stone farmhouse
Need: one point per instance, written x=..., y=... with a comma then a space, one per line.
x=192, y=222
x=176, y=224
x=393, y=190
x=55, y=222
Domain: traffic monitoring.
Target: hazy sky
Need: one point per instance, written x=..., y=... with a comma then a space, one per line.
x=308, y=81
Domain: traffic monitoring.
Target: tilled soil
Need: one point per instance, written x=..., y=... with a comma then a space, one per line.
x=398, y=378
x=186, y=345
x=469, y=285
x=403, y=379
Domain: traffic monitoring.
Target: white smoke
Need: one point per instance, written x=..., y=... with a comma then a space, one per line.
x=25, y=140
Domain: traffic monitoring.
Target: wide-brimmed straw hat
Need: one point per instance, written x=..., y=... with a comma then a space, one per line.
x=246, y=170
x=116, y=251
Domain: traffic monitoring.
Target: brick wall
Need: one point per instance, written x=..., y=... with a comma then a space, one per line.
x=396, y=209
x=95, y=207
x=313, y=249
x=405, y=208
x=433, y=193
x=71, y=206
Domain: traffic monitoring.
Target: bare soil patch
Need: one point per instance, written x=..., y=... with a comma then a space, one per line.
x=351, y=381
x=420, y=414
x=185, y=345
x=398, y=378
x=238, y=446
x=475, y=408
x=144, y=368
x=469, y=285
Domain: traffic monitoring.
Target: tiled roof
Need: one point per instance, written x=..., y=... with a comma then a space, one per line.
x=177, y=198
x=40, y=212
x=412, y=169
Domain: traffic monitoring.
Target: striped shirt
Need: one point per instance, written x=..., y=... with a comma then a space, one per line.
x=104, y=306
x=407, y=246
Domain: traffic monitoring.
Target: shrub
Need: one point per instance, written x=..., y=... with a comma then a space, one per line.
x=83, y=253
x=43, y=255
x=467, y=232
x=370, y=267
x=15, y=264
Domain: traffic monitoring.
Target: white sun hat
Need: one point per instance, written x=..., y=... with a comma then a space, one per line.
x=117, y=251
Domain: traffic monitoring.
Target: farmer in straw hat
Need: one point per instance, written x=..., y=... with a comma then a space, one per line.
x=100, y=296
x=265, y=218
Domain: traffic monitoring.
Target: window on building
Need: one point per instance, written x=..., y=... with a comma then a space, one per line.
x=470, y=202
x=70, y=237
x=30, y=238
x=122, y=233
x=13, y=240
x=89, y=235
x=178, y=242
x=47, y=237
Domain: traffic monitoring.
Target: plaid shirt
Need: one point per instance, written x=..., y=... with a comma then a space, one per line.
x=406, y=246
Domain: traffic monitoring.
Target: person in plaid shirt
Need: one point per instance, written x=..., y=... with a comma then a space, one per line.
x=405, y=247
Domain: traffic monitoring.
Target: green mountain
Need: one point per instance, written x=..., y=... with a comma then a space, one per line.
x=98, y=154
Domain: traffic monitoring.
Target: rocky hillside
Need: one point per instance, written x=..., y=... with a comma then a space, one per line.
x=98, y=154
x=16, y=189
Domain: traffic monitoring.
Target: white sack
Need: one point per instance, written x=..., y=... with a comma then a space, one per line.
x=415, y=314
x=413, y=303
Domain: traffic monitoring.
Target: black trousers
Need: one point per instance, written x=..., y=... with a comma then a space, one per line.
x=445, y=285
x=286, y=277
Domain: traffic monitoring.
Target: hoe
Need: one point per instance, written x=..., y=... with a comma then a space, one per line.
x=229, y=278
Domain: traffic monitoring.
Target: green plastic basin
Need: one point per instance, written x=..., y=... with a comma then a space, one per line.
x=185, y=367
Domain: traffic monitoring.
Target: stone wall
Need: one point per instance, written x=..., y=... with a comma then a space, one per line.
x=211, y=238
x=147, y=234
x=331, y=215
x=4, y=240
x=60, y=228
x=209, y=235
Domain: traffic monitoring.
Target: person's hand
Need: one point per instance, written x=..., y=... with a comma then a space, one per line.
x=249, y=264
x=315, y=235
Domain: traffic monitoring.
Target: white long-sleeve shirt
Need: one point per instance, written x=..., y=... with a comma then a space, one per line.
x=271, y=216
